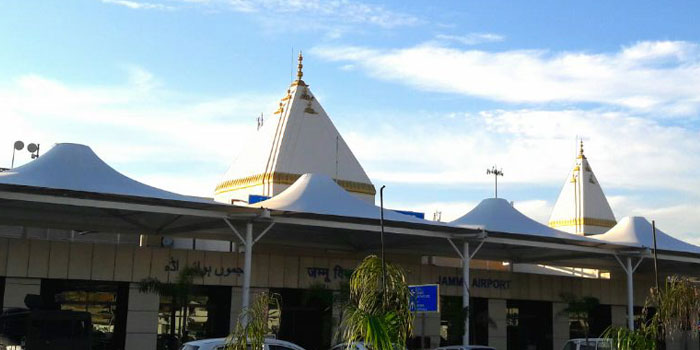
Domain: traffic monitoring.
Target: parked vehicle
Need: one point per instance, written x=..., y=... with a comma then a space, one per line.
x=220, y=344
x=356, y=346
x=465, y=347
x=45, y=330
x=588, y=344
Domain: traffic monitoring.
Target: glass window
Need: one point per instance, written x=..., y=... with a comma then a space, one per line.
x=570, y=346
x=100, y=300
x=191, y=320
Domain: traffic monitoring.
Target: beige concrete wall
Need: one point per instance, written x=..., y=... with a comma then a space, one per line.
x=498, y=336
x=142, y=319
x=17, y=288
x=560, y=325
x=286, y=268
x=428, y=325
x=25, y=261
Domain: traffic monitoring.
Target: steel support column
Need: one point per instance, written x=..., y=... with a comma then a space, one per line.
x=247, y=266
x=465, y=290
x=630, y=294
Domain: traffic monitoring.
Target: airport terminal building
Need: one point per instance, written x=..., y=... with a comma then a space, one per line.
x=294, y=216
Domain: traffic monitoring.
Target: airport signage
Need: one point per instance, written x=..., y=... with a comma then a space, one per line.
x=425, y=298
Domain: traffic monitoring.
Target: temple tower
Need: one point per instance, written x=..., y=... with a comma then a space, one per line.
x=582, y=207
x=300, y=139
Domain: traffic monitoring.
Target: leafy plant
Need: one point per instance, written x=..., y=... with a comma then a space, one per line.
x=377, y=313
x=255, y=322
x=625, y=339
x=677, y=308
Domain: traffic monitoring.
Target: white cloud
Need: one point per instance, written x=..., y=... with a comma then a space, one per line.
x=533, y=146
x=663, y=77
x=138, y=127
x=471, y=38
x=309, y=12
x=138, y=5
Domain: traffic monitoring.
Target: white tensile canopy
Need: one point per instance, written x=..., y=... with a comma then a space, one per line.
x=638, y=232
x=319, y=194
x=75, y=167
x=70, y=187
x=498, y=215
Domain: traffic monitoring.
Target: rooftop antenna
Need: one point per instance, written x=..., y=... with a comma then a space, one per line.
x=496, y=173
x=260, y=120
x=656, y=267
x=437, y=216
x=18, y=146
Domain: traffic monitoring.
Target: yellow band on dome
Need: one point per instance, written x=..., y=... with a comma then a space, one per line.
x=583, y=221
x=287, y=179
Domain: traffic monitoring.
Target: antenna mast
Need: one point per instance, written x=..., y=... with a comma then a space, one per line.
x=496, y=173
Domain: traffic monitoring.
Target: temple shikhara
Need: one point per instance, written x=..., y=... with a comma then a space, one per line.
x=582, y=208
x=300, y=138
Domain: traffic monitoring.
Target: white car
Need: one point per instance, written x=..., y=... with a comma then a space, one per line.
x=220, y=344
x=465, y=347
x=356, y=346
x=588, y=344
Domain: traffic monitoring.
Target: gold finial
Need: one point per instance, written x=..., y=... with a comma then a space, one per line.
x=580, y=152
x=299, y=67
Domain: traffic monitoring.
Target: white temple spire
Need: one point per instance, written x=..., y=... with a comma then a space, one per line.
x=301, y=140
x=582, y=207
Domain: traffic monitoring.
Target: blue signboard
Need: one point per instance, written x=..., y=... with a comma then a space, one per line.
x=425, y=298
x=254, y=198
x=415, y=214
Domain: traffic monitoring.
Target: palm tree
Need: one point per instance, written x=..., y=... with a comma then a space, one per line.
x=676, y=308
x=381, y=317
x=180, y=292
x=255, y=322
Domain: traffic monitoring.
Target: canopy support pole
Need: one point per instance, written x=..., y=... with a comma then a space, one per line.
x=466, y=262
x=248, y=243
x=629, y=270
x=247, y=267
x=465, y=290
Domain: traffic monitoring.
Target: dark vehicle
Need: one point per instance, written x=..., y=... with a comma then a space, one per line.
x=45, y=330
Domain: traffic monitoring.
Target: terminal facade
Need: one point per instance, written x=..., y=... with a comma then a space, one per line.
x=514, y=306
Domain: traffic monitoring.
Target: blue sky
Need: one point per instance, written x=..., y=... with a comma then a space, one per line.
x=427, y=94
